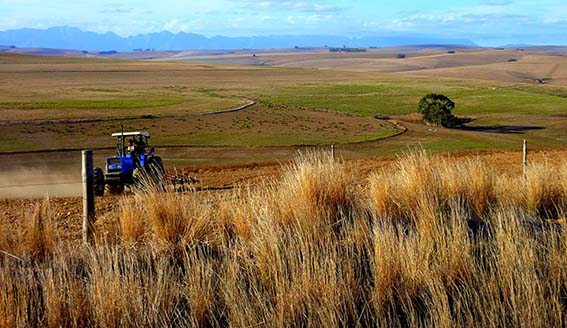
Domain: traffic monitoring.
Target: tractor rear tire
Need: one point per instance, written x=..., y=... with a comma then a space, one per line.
x=98, y=182
x=115, y=189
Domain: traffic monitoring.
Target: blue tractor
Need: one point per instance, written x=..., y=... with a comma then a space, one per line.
x=132, y=166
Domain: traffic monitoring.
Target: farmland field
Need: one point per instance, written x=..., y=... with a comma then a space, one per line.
x=52, y=103
x=384, y=234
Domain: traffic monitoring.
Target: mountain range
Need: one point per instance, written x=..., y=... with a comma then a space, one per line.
x=65, y=37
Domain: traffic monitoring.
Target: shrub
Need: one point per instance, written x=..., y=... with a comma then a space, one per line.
x=436, y=109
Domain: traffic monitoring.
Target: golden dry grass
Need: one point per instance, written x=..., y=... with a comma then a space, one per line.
x=544, y=192
x=424, y=181
x=433, y=241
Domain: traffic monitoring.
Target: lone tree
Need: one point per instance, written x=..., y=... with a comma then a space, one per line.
x=436, y=109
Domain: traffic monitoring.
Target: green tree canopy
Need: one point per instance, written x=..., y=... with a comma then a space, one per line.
x=436, y=109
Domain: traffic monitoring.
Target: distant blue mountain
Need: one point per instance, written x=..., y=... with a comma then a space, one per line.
x=74, y=38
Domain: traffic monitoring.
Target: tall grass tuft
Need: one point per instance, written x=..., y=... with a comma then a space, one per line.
x=479, y=186
x=40, y=233
x=563, y=182
x=132, y=221
x=315, y=193
x=543, y=190
x=172, y=219
x=423, y=186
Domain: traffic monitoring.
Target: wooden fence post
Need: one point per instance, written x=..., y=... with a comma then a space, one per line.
x=525, y=159
x=333, y=152
x=88, y=197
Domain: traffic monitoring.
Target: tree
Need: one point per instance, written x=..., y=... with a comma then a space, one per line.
x=436, y=109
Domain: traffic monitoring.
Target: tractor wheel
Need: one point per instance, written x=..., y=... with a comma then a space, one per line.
x=114, y=189
x=98, y=182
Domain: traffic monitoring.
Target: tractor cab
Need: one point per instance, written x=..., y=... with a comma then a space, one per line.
x=124, y=140
x=134, y=145
x=131, y=152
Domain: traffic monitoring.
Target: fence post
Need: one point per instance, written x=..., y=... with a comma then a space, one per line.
x=88, y=197
x=525, y=159
x=333, y=152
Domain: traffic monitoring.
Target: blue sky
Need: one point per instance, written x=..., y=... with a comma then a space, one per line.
x=486, y=22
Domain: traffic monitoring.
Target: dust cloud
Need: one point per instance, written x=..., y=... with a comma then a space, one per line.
x=39, y=182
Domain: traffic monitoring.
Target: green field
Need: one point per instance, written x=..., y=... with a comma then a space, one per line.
x=401, y=97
